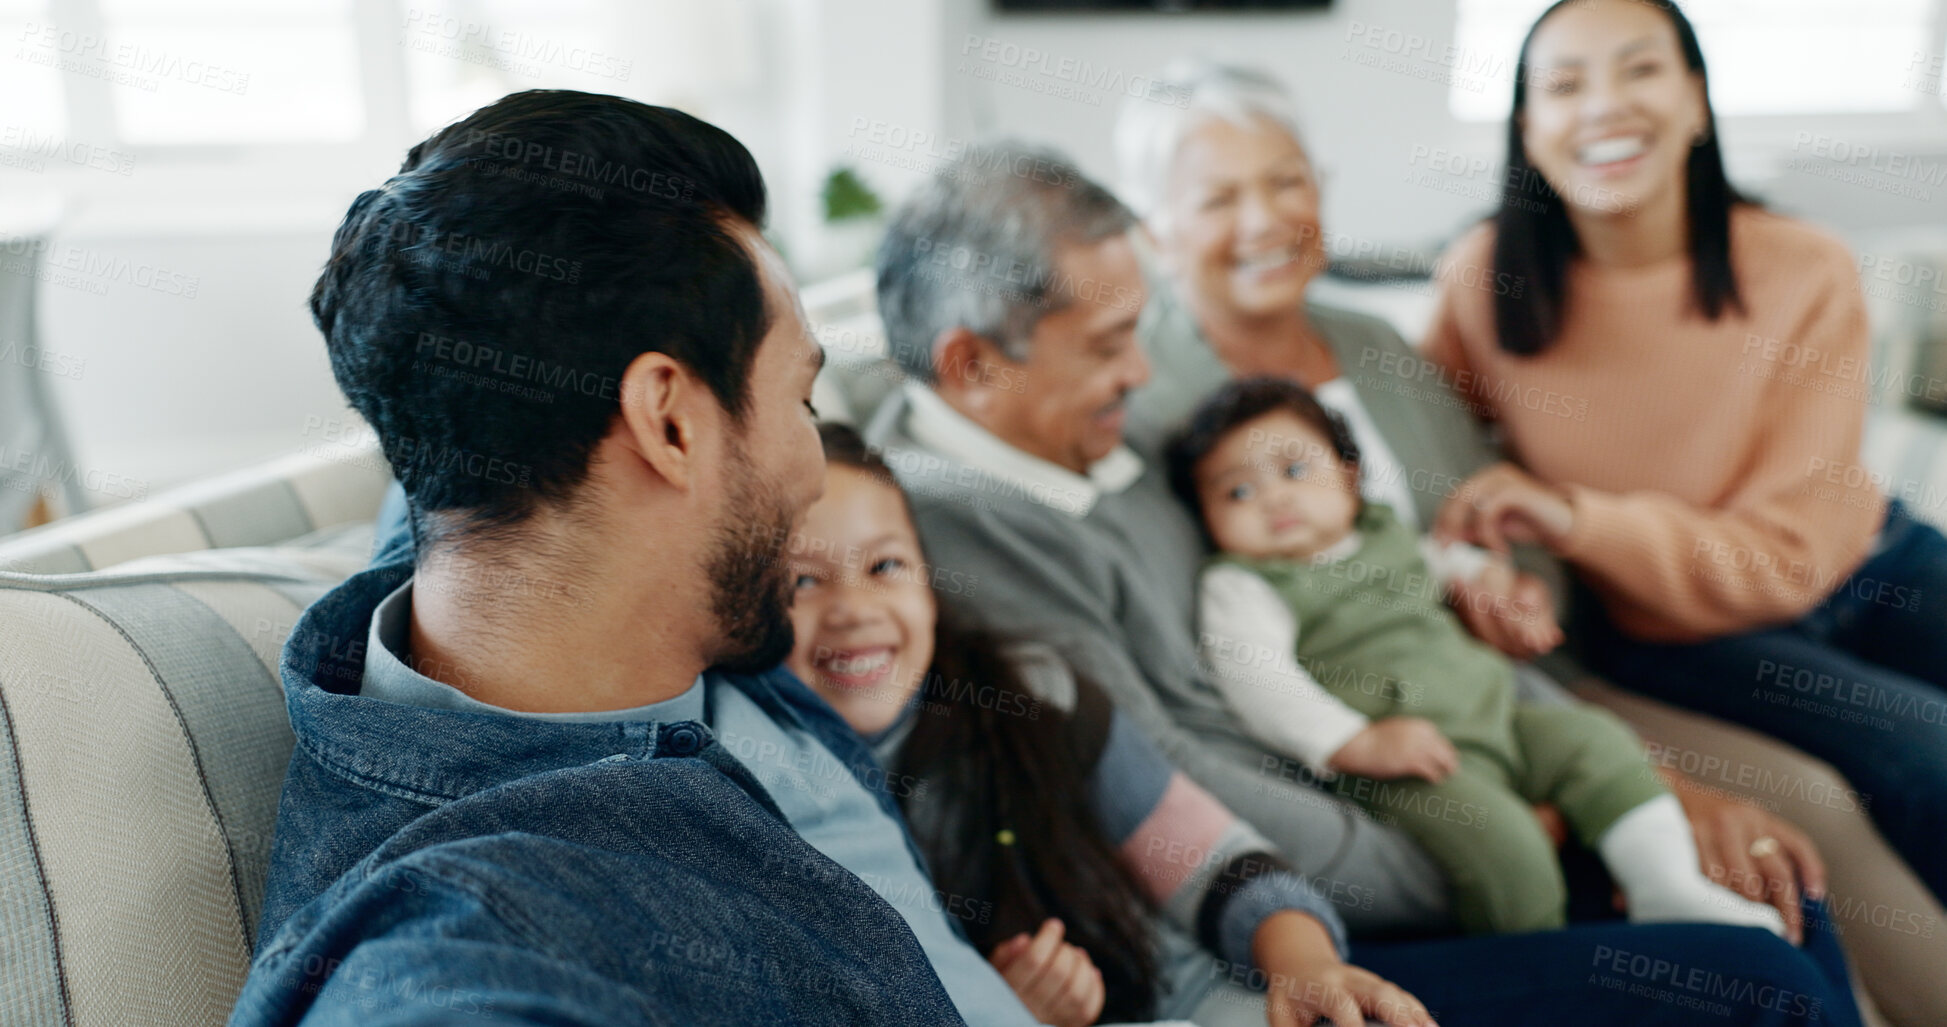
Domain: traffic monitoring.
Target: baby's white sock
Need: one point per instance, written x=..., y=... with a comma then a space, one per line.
x=1653, y=857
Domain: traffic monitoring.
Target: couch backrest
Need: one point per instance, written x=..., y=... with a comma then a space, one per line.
x=326, y=486
x=143, y=743
x=143, y=737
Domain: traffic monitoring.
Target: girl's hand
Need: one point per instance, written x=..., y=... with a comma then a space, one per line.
x=1056, y=981
x=1309, y=981
x=1502, y=505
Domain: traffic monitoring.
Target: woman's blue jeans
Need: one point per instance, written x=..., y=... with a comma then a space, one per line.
x=1859, y=682
x=1603, y=974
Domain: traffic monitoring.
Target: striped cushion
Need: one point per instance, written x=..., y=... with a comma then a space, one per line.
x=143, y=742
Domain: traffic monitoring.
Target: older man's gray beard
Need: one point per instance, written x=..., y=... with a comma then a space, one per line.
x=750, y=582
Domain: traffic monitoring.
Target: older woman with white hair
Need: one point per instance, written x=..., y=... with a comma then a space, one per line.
x=1229, y=198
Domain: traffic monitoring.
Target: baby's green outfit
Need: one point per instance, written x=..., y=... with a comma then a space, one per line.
x=1374, y=632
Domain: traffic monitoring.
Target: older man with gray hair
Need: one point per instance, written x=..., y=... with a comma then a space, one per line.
x=1010, y=291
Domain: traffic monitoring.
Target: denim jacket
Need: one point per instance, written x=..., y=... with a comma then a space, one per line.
x=446, y=866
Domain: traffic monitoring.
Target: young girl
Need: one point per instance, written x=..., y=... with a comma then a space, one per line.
x=1324, y=624
x=1102, y=883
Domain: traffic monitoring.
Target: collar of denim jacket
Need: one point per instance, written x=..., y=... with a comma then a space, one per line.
x=427, y=755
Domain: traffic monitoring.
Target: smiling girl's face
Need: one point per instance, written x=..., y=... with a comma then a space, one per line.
x=1612, y=109
x=864, y=609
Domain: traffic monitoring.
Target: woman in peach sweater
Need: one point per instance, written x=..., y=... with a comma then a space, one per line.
x=1679, y=377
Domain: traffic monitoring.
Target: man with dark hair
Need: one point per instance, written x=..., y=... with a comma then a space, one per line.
x=545, y=766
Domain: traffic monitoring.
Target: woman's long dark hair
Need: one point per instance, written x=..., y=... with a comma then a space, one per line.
x=996, y=792
x=1534, y=241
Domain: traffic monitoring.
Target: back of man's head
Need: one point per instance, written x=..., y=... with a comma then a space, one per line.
x=975, y=248
x=480, y=308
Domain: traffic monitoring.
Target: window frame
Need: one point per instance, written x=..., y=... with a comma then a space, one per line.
x=89, y=105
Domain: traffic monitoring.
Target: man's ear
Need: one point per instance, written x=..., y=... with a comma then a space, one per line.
x=659, y=411
x=959, y=360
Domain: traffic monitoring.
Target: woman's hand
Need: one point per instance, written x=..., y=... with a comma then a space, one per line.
x=1502, y=505
x=1398, y=747
x=1726, y=832
x=1510, y=610
x=1309, y=981
x=1056, y=981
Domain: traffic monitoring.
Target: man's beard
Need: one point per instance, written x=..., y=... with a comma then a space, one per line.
x=750, y=583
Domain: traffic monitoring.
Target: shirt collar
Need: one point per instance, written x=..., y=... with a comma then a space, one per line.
x=934, y=424
x=387, y=677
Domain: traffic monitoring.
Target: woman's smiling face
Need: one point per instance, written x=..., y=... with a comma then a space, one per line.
x=1239, y=220
x=864, y=609
x=1612, y=109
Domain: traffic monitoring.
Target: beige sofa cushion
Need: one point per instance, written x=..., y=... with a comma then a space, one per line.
x=143, y=743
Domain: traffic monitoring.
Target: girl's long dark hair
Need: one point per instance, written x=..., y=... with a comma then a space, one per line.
x=997, y=794
x=1534, y=241
x=1011, y=765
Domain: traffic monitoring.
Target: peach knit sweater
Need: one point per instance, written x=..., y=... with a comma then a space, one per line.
x=1713, y=466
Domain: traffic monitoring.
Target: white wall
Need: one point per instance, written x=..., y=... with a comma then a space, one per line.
x=195, y=348
x=175, y=388
x=1362, y=122
x=1371, y=78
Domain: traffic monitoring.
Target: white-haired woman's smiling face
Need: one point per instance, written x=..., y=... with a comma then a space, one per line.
x=1238, y=225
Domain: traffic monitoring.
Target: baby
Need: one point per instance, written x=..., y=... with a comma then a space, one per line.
x=1324, y=626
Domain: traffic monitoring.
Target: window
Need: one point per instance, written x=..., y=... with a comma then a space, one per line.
x=30, y=79
x=254, y=73
x=230, y=71
x=463, y=54
x=1765, y=56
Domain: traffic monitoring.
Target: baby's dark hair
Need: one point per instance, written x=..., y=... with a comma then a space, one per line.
x=1236, y=404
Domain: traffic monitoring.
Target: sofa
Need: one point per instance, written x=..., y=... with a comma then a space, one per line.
x=143, y=739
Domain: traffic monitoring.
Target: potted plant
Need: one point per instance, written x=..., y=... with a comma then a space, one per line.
x=854, y=222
